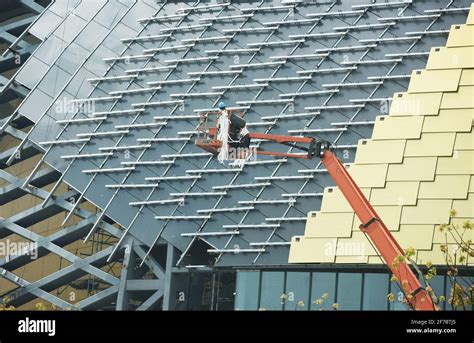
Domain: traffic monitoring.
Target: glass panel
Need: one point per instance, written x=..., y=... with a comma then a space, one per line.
x=32, y=72
x=199, y=293
x=297, y=290
x=437, y=283
x=397, y=304
x=42, y=28
x=349, y=291
x=69, y=28
x=225, y=291
x=465, y=282
x=375, y=291
x=323, y=283
x=246, y=297
x=272, y=290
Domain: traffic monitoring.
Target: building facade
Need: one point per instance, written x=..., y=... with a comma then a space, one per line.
x=113, y=92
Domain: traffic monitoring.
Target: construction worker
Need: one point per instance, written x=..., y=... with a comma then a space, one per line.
x=238, y=132
x=238, y=135
x=223, y=124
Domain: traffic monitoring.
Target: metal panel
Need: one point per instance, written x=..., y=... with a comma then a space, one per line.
x=405, y=104
x=459, y=120
x=425, y=81
x=464, y=141
x=427, y=212
x=463, y=98
x=462, y=163
x=461, y=35
x=311, y=249
x=431, y=144
x=397, y=128
x=413, y=168
x=370, y=175
x=445, y=187
x=318, y=222
x=395, y=193
x=419, y=236
x=387, y=151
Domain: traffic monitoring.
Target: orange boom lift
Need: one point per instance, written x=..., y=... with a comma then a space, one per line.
x=372, y=225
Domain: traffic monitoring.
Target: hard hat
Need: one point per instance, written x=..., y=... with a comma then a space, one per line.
x=222, y=105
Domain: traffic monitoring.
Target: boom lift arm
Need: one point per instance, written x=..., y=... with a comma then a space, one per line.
x=417, y=297
x=392, y=254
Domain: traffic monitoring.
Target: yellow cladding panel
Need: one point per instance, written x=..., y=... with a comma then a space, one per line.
x=435, y=256
x=461, y=35
x=471, y=185
x=375, y=260
x=467, y=77
x=312, y=250
x=450, y=58
x=445, y=187
x=395, y=193
x=352, y=259
x=373, y=152
x=413, y=169
x=458, y=120
x=463, y=98
x=462, y=162
x=465, y=208
x=415, y=236
x=464, y=141
x=431, y=144
x=424, y=81
x=404, y=104
x=357, y=245
x=427, y=212
x=328, y=224
x=334, y=201
x=369, y=175
x=470, y=17
x=397, y=127
x=389, y=214
x=449, y=237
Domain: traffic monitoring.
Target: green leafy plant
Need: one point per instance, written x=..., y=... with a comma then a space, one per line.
x=455, y=255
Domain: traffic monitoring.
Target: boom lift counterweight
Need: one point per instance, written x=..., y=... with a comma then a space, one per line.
x=372, y=225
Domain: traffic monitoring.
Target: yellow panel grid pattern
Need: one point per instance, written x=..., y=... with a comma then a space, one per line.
x=417, y=167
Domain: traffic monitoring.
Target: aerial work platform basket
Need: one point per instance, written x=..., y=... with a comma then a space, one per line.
x=208, y=133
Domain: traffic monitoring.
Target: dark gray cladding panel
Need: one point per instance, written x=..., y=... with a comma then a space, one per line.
x=145, y=69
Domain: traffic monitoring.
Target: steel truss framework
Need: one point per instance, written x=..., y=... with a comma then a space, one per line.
x=13, y=127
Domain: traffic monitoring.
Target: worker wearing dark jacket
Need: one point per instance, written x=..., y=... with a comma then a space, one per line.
x=238, y=133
